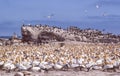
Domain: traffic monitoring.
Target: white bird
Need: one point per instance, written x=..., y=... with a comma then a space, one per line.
x=22, y=67
x=49, y=16
x=99, y=62
x=35, y=69
x=9, y=66
x=58, y=66
x=97, y=6
x=27, y=64
x=80, y=61
x=74, y=60
x=1, y=63
x=116, y=64
x=89, y=65
x=74, y=65
x=104, y=14
x=97, y=67
x=35, y=63
x=42, y=65
x=45, y=66
x=108, y=66
x=29, y=24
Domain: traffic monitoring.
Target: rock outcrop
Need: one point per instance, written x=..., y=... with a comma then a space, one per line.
x=10, y=40
x=41, y=34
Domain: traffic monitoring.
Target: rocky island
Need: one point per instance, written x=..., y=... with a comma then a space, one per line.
x=39, y=34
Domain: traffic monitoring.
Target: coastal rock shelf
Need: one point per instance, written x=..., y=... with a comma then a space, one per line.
x=48, y=57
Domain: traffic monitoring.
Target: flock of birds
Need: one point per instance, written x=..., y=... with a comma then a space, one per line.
x=48, y=57
x=97, y=6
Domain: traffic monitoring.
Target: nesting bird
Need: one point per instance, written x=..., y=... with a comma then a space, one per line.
x=77, y=57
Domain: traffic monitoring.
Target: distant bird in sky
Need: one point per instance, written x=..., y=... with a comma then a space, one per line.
x=104, y=14
x=29, y=24
x=97, y=6
x=85, y=11
x=49, y=16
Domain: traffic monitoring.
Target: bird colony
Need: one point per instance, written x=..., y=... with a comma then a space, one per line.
x=49, y=57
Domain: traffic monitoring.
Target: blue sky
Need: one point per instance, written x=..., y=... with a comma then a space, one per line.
x=97, y=14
